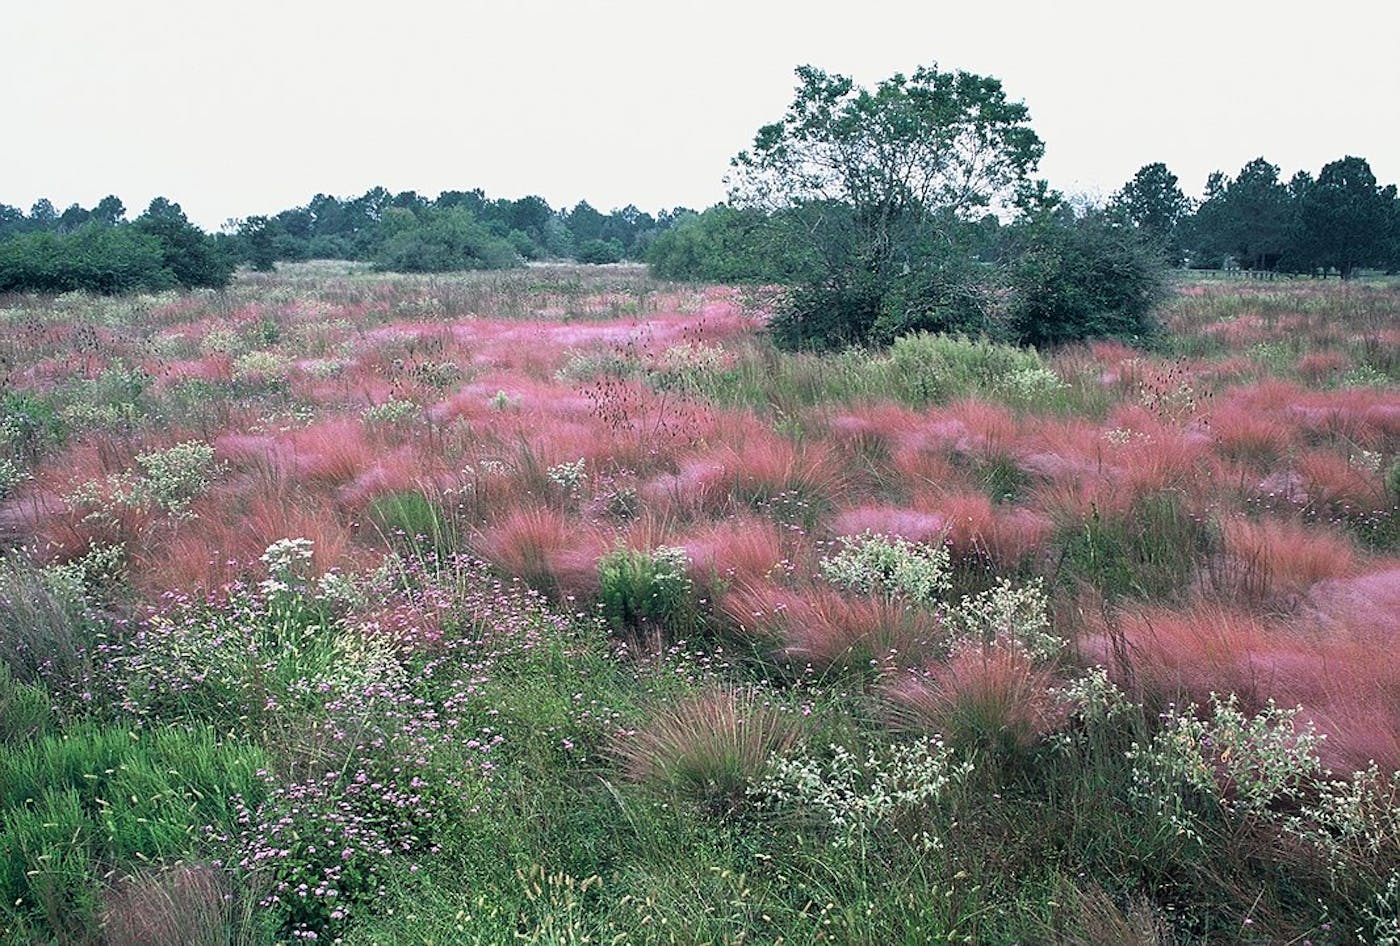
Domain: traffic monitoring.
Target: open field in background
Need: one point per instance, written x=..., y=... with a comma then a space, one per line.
x=558, y=604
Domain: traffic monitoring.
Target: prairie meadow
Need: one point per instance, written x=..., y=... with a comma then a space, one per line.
x=559, y=605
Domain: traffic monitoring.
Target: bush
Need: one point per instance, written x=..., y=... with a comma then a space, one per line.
x=600, y=251
x=941, y=367
x=1083, y=280
x=644, y=590
x=436, y=241
x=93, y=259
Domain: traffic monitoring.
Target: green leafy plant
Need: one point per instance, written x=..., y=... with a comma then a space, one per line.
x=644, y=590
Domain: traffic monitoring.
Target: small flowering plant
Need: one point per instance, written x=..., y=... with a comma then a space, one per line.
x=855, y=798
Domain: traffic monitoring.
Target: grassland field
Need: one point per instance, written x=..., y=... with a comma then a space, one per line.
x=558, y=606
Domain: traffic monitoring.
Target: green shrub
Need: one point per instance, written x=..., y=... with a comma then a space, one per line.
x=644, y=590
x=940, y=367
x=600, y=251
x=1083, y=280
x=888, y=565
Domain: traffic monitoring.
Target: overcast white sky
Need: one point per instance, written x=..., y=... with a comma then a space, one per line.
x=251, y=107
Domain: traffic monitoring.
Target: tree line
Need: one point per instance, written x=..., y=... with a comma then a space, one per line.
x=913, y=206
x=100, y=250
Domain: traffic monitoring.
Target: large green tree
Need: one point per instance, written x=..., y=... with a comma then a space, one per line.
x=1344, y=219
x=1246, y=219
x=873, y=183
x=1153, y=202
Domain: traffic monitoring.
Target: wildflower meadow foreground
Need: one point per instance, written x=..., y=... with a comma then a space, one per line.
x=560, y=606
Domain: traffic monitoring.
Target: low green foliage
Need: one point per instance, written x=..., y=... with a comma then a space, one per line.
x=643, y=591
x=98, y=799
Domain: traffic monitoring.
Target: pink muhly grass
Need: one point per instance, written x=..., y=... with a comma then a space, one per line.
x=827, y=629
x=738, y=550
x=394, y=471
x=876, y=428
x=1270, y=557
x=968, y=426
x=1332, y=481
x=1165, y=654
x=333, y=451
x=912, y=524
x=1364, y=608
x=708, y=747
x=976, y=528
x=929, y=470
x=986, y=697
x=1246, y=432
x=1319, y=366
x=544, y=548
x=178, y=905
x=210, y=368
x=767, y=465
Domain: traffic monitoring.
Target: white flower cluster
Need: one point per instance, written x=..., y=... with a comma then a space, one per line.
x=855, y=796
x=1243, y=764
x=871, y=563
x=1027, y=384
x=568, y=476
x=287, y=561
x=1007, y=613
x=390, y=412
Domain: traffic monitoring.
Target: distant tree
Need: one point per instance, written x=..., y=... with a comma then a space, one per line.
x=584, y=223
x=558, y=242
x=259, y=243
x=12, y=221
x=42, y=215
x=109, y=211
x=72, y=218
x=1153, y=202
x=724, y=245
x=191, y=256
x=1247, y=219
x=94, y=258
x=1344, y=219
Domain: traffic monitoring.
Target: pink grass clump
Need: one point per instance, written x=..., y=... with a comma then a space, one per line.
x=824, y=628
x=737, y=550
x=985, y=697
x=912, y=524
x=544, y=548
x=1270, y=557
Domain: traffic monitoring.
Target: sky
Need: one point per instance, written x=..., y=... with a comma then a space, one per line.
x=235, y=109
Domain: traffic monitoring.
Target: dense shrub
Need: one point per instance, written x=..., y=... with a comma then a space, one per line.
x=600, y=251
x=435, y=241
x=92, y=259
x=1083, y=280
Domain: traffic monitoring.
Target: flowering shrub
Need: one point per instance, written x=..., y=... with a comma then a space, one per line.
x=167, y=479
x=896, y=568
x=855, y=797
x=390, y=413
x=1224, y=760
x=568, y=476
x=1010, y=614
